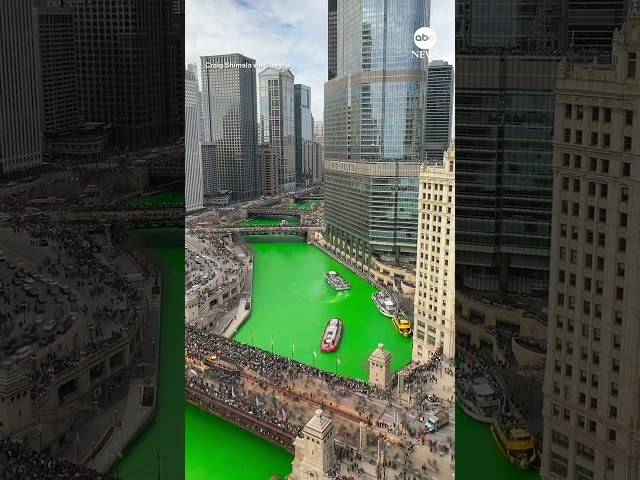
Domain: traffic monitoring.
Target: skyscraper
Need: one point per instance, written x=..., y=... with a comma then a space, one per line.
x=230, y=123
x=58, y=88
x=20, y=110
x=277, y=120
x=193, y=162
x=434, y=305
x=303, y=132
x=439, y=109
x=592, y=376
x=125, y=77
x=506, y=59
x=374, y=112
x=332, y=31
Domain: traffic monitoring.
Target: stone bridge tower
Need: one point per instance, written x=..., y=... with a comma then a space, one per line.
x=315, y=450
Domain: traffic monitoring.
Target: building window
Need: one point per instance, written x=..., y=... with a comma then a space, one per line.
x=625, y=169
x=594, y=139
x=631, y=65
x=595, y=114
x=567, y=135
x=628, y=117
x=627, y=144
x=593, y=164
x=566, y=162
x=579, y=137
x=567, y=111
x=611, y=435
x=606, y=140
x=607, y=115
x=559, y=465
x=624, y=194
x=583, y=473
x=559, y=439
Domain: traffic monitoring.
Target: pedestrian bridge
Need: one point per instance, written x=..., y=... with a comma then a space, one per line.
x=292, y=212
x=267, y=230
x=133, y=216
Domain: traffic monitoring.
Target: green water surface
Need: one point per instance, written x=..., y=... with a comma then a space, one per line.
x=292, y=304
x=174, y=195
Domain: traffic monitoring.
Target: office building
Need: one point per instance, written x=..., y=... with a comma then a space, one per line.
x=438, y=126
x=193, y=164
x=592, y=377
x=374, y=113
x=434, y=305
x=332, y=37
x=277, y=120
x=230, y=123
x=303, y=134
x=506, y=58
x=209, y=160
x=20, y=109
x=268, y=170
x=318, y=131
x=56, y=43
x=129, y=64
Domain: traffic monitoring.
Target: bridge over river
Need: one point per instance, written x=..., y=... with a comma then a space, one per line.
x=302, y=230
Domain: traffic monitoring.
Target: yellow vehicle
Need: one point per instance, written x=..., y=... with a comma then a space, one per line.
x=402, y=324
x=514, y=441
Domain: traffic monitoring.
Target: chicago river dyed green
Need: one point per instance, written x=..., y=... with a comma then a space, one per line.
x=292, y=304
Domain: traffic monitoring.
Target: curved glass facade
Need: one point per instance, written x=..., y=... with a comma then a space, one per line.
x=374, y=113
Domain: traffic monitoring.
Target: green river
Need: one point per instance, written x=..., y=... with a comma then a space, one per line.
x=288, y=279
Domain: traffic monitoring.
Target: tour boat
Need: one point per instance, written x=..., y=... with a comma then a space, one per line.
x=514, y=440
x=385, y=303
x=337, y=281
x=479, y=397
x=331, y=336
x=402, y=324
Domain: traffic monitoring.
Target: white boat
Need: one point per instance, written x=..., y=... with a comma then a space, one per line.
x=479, y=398
x=385, y=303
x=337, y=281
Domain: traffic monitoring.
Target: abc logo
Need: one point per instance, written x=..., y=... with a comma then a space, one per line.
x=424, y=38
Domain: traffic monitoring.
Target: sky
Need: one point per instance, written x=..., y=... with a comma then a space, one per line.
x=286, y=31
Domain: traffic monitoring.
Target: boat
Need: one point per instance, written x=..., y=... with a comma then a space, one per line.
x=337, y=281
x=514, y=440
x=385, y=303
x=479, y=397
x=331, y=336
x=402, y=324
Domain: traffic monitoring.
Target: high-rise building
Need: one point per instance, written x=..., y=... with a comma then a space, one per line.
x=332, y=31
x=193, y=163
x=20, y=109
x=438, y=127
x=230, y=123
x=318, y=131
x=374, y=113
x=434, y=305
x=303, y=133
x=268, y=170
x=592, y=375
x=277, y=120
x=126, y=76
x=318, y=140
x=57, y=48
x=506, y=58
x=192, y=67
x=209, y=159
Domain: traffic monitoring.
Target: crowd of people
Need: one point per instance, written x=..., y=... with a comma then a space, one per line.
x=20, y=462
x=111, y=313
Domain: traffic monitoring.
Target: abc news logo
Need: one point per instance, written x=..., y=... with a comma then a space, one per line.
x=425, y=39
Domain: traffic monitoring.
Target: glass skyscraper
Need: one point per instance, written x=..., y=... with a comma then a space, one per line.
x=374, y=116
x=230, y=125
x=439, y=109
x=304, y=133
x=277, y=121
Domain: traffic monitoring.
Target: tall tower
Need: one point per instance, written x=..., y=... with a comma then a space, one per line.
x=438, y=126
x=230, y=122
x=315, y=455
x=434, y=304
x=374, y=114
x=20, y=110
x=380, y=368
x=592, y=375
x=303, y=134
x=193, y=161
x=277, y=119
x=332, y=31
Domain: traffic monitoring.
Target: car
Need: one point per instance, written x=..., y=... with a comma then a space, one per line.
x=50, y=325
x=22, y=353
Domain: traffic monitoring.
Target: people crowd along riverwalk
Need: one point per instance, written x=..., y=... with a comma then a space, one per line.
x=19, y=462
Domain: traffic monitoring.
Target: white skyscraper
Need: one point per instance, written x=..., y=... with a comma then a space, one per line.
x=434, y=305
x=193, y=163
x=20, y=111
x=592, y=378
